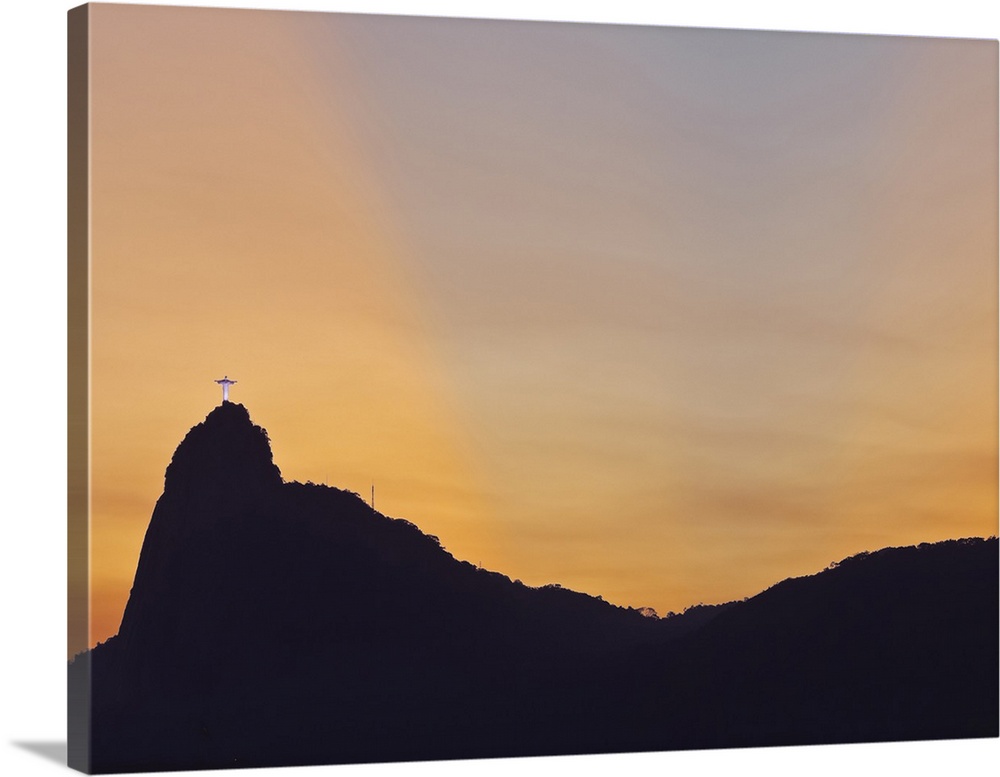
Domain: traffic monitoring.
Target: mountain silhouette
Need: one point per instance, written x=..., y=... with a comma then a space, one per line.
x=281, y=623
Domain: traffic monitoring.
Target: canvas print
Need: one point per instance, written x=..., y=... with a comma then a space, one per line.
x=448, y=388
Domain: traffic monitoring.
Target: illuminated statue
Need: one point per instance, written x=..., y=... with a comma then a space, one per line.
x=226, y=383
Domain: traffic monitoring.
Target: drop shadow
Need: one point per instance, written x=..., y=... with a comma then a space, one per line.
x=51, y=751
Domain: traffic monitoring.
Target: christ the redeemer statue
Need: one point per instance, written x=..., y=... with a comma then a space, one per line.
x=226, y=383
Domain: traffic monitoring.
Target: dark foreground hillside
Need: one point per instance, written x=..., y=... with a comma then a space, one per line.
x=281, y=623
x=893, y=645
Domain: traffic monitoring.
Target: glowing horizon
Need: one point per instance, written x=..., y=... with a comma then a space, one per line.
x=665, y=316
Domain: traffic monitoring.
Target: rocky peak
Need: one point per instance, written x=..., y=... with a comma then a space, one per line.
x=224, y=462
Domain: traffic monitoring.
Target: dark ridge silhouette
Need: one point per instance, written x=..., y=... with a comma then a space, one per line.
x=279, y=623
x=899, y=644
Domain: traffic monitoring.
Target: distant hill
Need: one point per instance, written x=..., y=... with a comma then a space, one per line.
x=893, y=645
x=285, y=623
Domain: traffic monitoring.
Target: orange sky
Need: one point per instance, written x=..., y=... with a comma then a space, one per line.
x=665, y=316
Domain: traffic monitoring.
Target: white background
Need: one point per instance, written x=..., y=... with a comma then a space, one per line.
x=33, y=374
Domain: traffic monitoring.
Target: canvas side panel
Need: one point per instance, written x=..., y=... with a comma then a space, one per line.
x=78, y=226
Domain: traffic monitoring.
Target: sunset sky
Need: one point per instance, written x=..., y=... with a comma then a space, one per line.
x=661, y=315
